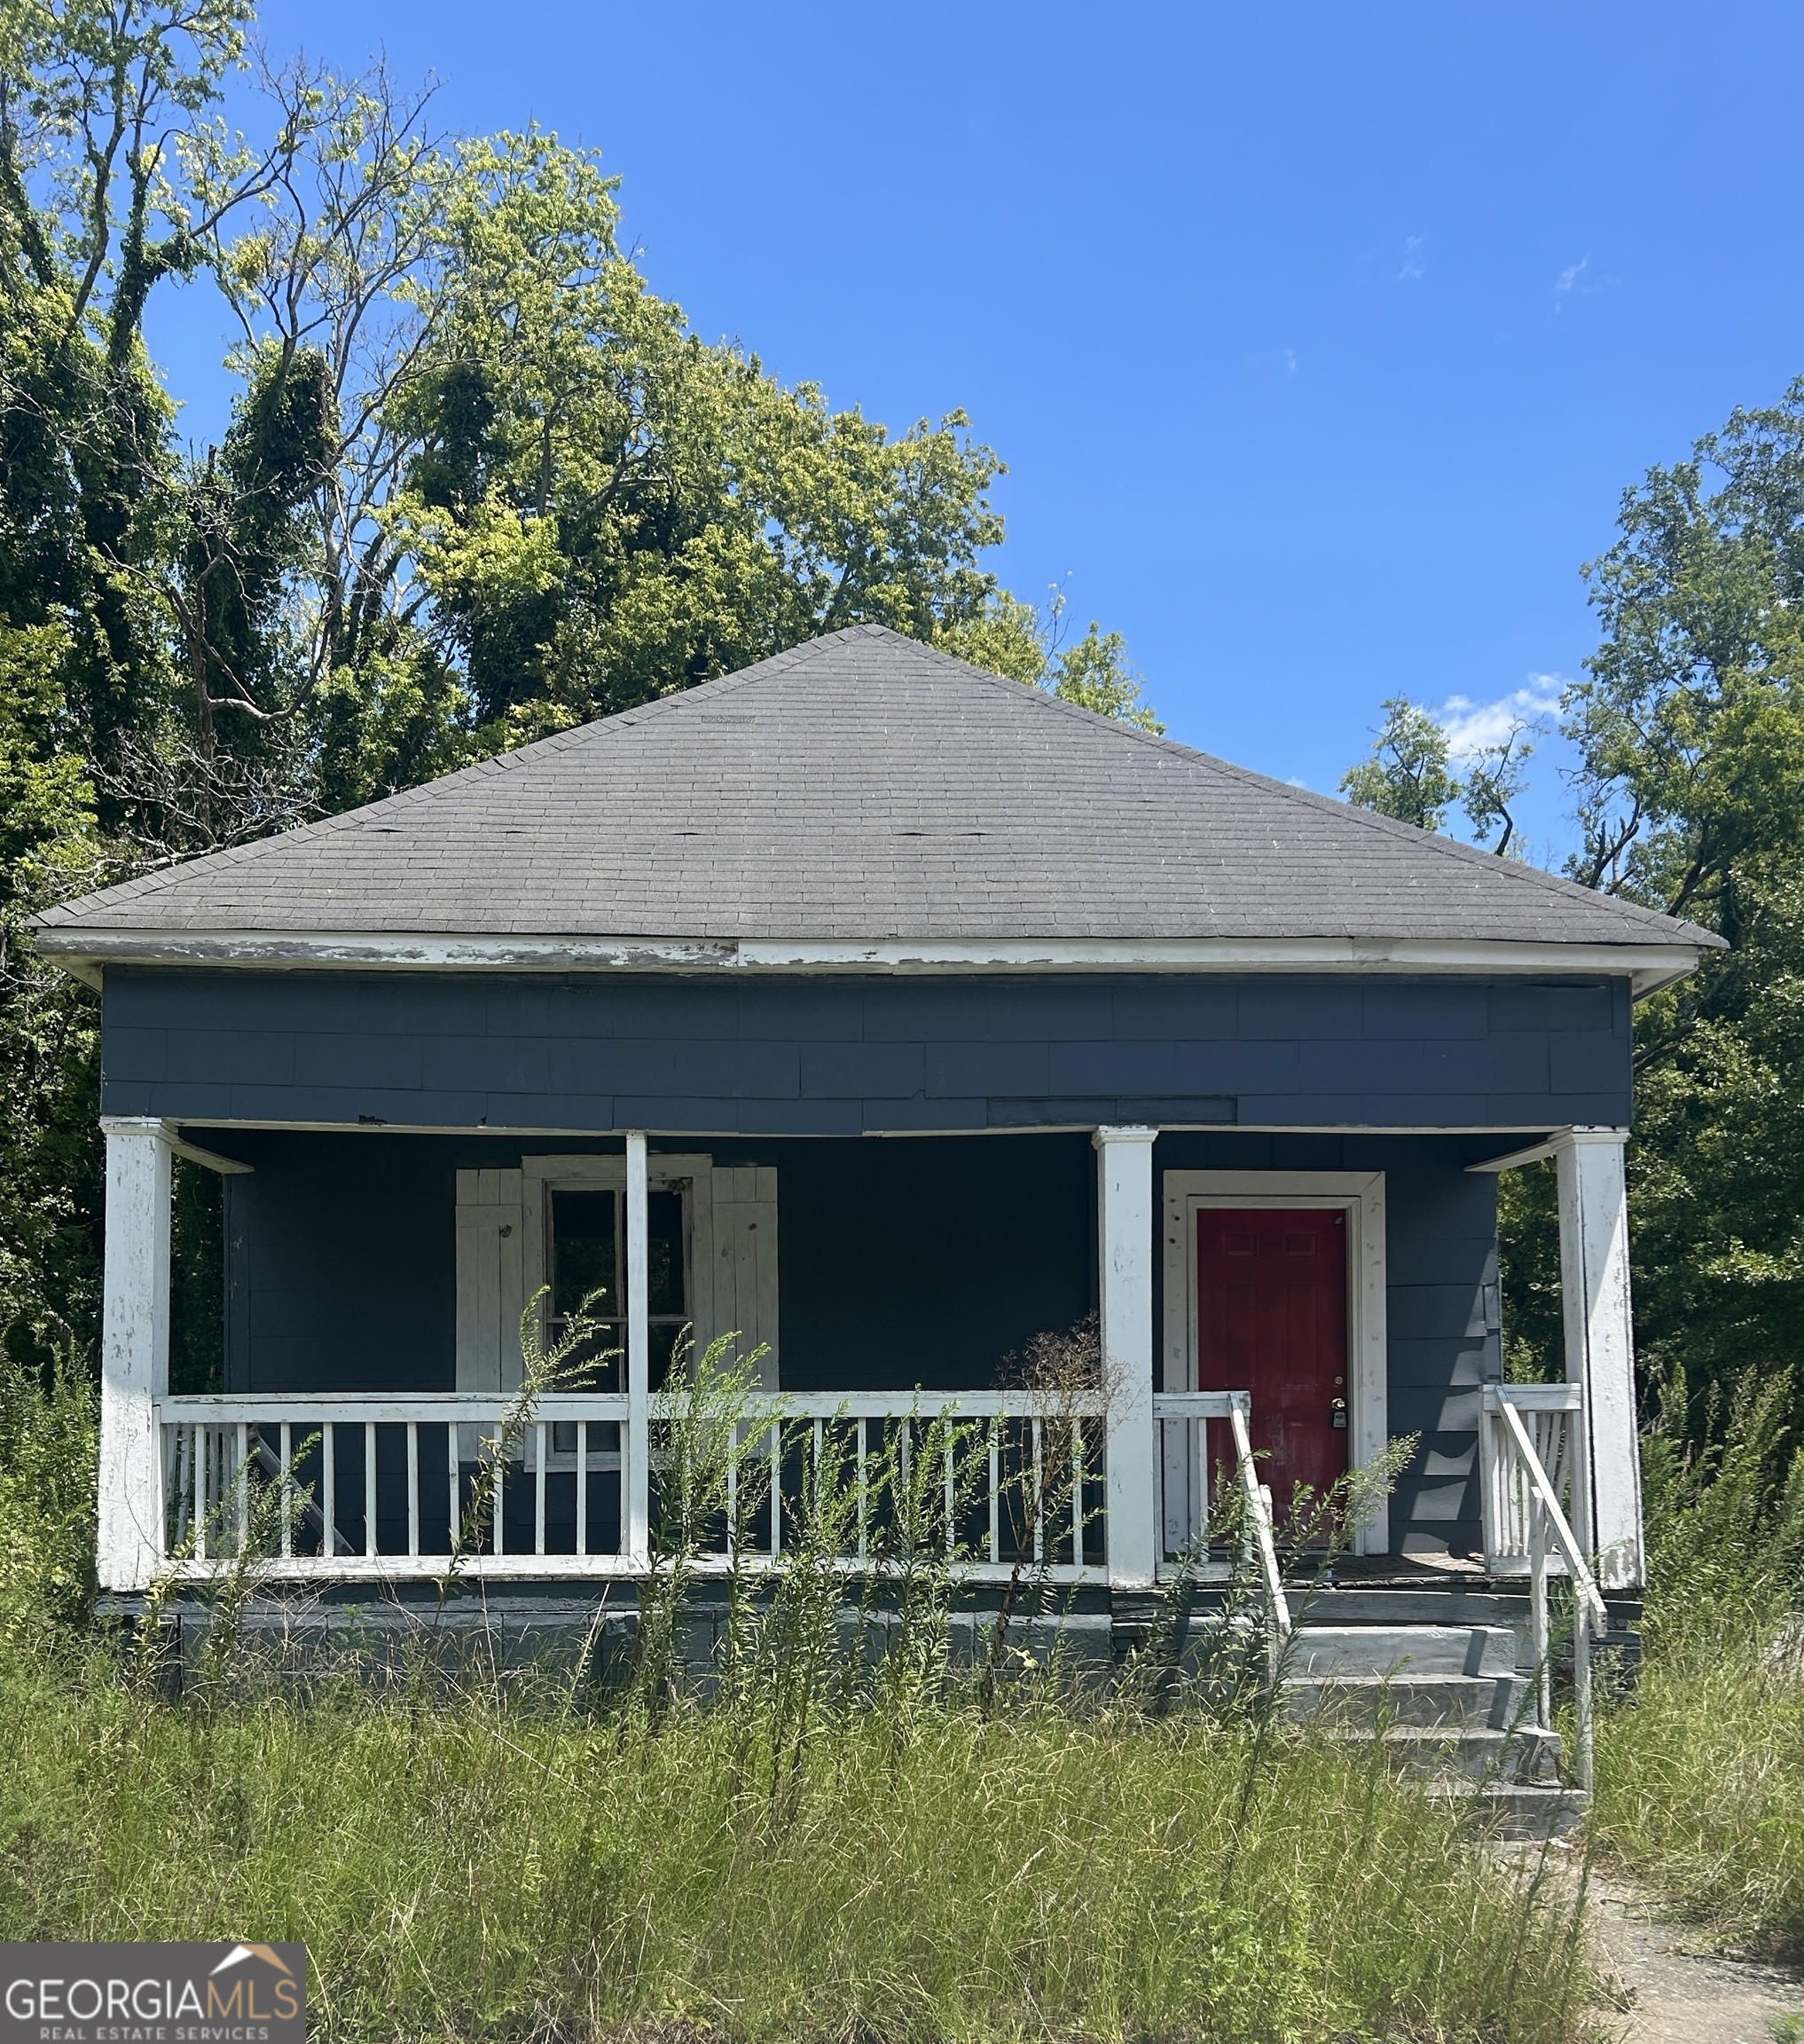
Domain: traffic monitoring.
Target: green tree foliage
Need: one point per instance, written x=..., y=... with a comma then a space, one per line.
x=1407, y=775
x=48, y=1145
x=1688, y=725
x=1411, y=774
x=1012, y=638
x=1690, y=728
x=479, y=482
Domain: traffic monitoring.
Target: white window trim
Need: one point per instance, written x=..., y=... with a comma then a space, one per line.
x=1361, y=1195
x=541, y=1175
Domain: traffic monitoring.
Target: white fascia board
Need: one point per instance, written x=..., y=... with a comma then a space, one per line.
x=515, y=1131
x=1648, y=965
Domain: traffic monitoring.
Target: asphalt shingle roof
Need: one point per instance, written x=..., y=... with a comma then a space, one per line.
x=863, y=786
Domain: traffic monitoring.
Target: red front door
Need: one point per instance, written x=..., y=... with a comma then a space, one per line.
x=1271, y=1319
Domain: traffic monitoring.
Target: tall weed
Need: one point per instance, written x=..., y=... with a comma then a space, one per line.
x=1700, y=1770
x=843, y=1837
x=49, y=1438
x=485, y=1869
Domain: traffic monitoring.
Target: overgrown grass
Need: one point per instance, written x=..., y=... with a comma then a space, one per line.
x=915, y=1855
x=48, y=1441
x=484, y=1869
x=1701, y=1773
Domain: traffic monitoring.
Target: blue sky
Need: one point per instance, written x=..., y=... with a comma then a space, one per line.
x=1320, y=340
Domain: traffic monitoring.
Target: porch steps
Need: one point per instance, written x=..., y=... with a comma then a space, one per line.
x=1449, y=1705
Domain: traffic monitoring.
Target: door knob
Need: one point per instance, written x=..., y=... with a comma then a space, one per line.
x=1337, y=1414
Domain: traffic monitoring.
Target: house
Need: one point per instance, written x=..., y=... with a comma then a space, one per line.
x=890, y=1014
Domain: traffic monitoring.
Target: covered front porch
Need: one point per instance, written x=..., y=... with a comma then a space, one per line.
x=894, y=1294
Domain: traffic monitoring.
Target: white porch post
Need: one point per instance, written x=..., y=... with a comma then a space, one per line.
x=636, y=1493
x=1600, y=1346
x=1124, y=1226
x=134, y=1350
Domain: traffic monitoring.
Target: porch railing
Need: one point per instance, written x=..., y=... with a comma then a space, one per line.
x=1553, y=1417
x=378, y=1487
x=1532, y=1444
x=1182, y=1420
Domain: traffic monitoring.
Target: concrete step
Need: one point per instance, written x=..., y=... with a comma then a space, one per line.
x=1384, y=1605
x=1466, y=1756
x=1517, y=1810
x=1319, y=1651
x=1363, y=1703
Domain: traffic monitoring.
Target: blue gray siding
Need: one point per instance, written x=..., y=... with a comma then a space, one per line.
x=926, y=1261
x=831, y=1057
x=921, y=1262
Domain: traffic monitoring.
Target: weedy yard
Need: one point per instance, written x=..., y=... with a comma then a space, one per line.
x=902, y=1856
x=1700, y=1784
x=829, y=1846
x=481, y=1866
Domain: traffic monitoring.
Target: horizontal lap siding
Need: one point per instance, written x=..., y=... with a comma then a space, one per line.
x=897, y=1264
x=834, y=1058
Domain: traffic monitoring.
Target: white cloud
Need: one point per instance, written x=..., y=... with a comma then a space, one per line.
x=1470, y=726
x=1288, y=357
x=1415, y=263
x=1568, y=281
x=1575, y=282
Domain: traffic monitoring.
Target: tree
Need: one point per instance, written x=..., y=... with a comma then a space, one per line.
x=1411, y=774
x=479, y=482
x=1689, y=797
x=1407, y=775
x=1689, y=725
x=1012, y=638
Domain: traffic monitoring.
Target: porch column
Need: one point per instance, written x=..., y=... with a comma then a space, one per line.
x=134, y=1350
x=635, y=1503
x=1124, y=1226
x=1600, y=1346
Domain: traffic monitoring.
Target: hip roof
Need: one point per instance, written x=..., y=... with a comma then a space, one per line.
x=861, y=789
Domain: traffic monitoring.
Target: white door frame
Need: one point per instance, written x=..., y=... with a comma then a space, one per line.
x=1360, y=1196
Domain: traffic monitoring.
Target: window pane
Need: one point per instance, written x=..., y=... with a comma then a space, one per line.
x=664, y=1252
x=663, y=1341
x=582, y=1254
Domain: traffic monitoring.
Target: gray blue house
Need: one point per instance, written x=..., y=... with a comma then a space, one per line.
x=892, y=1015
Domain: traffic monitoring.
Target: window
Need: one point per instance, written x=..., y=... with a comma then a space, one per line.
x=588, y=1261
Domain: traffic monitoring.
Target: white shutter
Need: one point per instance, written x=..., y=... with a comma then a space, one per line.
x=491, y=1287
x=744, y=1259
